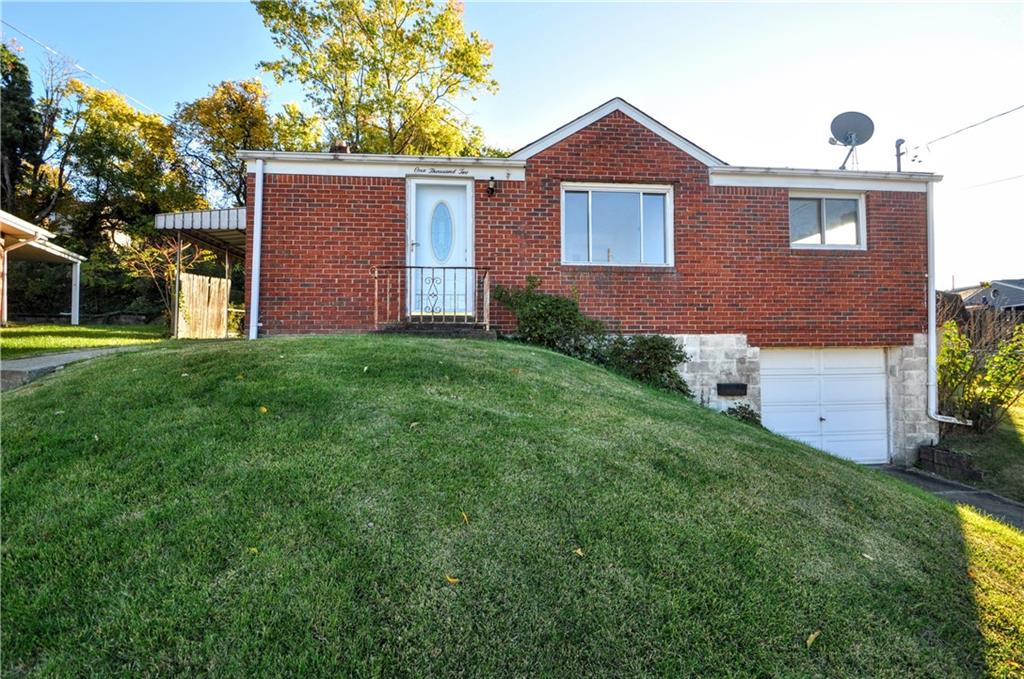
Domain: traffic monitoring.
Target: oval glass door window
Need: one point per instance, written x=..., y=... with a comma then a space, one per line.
x=441, y=232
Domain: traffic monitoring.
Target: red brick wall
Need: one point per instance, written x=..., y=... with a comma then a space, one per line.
x=734, y=270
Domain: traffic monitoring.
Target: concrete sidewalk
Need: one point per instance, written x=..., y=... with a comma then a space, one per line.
x=19, y=371
x=1000, y=507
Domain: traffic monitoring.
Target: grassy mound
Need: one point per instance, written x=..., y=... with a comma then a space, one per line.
x=370, y=505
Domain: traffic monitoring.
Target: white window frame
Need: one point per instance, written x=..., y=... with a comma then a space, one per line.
x=862, y=219
x=663, y=189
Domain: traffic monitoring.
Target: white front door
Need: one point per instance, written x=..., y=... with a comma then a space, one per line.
x=832, y=399
x=441, y=248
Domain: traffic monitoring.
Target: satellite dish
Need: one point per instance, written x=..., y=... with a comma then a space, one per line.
x=851, y=129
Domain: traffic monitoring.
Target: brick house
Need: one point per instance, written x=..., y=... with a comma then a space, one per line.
x=801, y=292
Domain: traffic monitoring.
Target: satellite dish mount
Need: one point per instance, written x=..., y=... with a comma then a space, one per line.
x=851, y=129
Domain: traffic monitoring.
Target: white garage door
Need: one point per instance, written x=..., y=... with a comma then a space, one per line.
x=832, y=399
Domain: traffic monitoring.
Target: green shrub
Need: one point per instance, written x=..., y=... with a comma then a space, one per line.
x=557, y=323
x=976, y=384
x=651, y=359
x=552, y=321
x=744, y=412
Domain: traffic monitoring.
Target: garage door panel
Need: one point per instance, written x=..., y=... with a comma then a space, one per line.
x=833, y=399
x=791, y=389
x=852, y=389
x=852, y=360
x=790, y=361
x=792, y=420
x=862, y=449
x=853, y=419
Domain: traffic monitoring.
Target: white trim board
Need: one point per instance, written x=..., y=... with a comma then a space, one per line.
x=821, y=180
x=621, y=105
x=385, y=165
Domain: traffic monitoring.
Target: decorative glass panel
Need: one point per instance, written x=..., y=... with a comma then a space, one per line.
x=577, y=246
x=805, y=221
x=615, y=227
x=840, y=221
x=654, y=228
x=441, y=232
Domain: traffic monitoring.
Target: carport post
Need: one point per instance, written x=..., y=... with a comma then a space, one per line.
x=3, y=293
x=76, y=282
x=227, y=301
x=177, y=286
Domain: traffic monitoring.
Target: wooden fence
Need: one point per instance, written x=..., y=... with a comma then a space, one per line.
x=203, y=306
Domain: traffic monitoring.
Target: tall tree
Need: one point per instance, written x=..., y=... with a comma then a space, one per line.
x=20, y=132
x=384, y=74
x=212, y=129
x=124, y=168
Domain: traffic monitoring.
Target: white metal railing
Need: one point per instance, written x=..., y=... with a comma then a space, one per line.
x=431, y=294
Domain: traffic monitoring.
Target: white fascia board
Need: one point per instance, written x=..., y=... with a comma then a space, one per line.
x=17, y=224
x=821, y=180
x=623, y=106
x=57, y=250
x=380, y=165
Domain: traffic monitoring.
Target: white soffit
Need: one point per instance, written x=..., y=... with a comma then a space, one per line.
x=822, y=180
x=623, y=106
x=380, y=165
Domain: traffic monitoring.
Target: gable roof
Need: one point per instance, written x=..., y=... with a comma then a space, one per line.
x=623, y=106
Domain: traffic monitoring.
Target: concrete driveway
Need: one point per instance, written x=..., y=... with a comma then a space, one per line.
x=1000, y=507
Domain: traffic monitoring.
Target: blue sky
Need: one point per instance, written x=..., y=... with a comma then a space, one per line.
x=755, y=84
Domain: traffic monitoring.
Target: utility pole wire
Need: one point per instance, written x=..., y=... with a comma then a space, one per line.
x=994, y=181
x=980, y=122
x=81, y=68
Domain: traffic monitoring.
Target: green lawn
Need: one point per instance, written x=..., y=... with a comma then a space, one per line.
x=399, y=506
x=1000, y=454
x=19, y=341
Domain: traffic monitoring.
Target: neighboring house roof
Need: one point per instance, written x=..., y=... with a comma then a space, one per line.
x=1002, y=294
x=622, y=106
x=25, y=241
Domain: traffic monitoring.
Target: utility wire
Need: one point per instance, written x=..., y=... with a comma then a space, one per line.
x=980, y=122
x=995, y=181
x=81, y=68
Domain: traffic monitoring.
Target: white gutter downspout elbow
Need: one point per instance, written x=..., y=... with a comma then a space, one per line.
x=257, y=251
x=933, y=348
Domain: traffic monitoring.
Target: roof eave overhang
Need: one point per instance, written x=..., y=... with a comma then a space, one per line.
x=817, y=179
x=384, y=165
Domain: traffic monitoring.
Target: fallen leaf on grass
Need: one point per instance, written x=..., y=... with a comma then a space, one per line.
x=264, y=409
x=451, y=580
x=868, y=557
x=240, y=376
x=813, y=637
x=365, y=368
x=465, y=518
x=578, y=552
x=414, y=425
x=253, y=550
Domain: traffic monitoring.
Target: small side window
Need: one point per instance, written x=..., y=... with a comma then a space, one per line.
x=826, y=222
